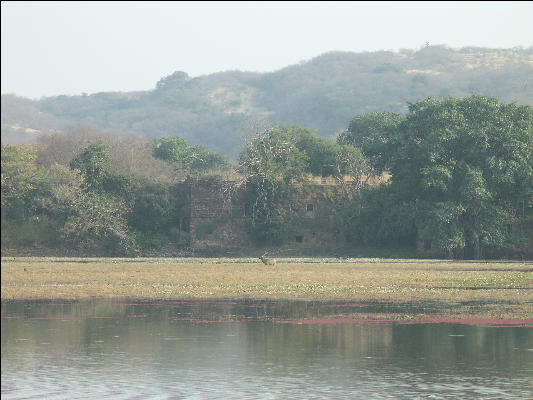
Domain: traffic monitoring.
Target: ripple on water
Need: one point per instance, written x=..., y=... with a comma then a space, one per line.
x=116, y=356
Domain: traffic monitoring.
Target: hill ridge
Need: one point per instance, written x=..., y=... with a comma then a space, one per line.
x=322, y=93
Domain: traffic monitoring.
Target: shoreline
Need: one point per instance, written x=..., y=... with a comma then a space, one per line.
x=452, y=288
x=429, y=316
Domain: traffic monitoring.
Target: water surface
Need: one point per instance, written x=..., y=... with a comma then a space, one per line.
x=247, y=349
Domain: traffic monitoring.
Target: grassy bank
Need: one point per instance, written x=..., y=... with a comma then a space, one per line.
x=495, y=289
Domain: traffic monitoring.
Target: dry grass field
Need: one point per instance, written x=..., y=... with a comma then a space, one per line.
x=498, y=289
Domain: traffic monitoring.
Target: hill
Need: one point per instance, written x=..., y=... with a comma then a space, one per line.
x=323, y=93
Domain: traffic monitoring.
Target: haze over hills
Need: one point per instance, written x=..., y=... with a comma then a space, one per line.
x=323, y=93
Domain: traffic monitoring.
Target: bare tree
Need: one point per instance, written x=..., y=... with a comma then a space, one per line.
x=352, y=170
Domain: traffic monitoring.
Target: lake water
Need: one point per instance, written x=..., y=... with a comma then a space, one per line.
x=253, y=350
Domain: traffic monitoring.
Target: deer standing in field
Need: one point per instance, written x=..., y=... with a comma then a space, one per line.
x=268, y=261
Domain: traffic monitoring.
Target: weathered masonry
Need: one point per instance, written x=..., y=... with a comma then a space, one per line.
x=218, y=219
x=218, y=222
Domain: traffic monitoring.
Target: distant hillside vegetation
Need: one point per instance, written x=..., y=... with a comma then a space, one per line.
x=323, y=93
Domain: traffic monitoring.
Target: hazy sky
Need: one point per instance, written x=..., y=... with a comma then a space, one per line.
x=52, y=48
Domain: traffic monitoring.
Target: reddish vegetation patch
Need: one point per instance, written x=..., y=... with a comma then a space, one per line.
x=492, y=322
x=200, y=321
x=476, y=321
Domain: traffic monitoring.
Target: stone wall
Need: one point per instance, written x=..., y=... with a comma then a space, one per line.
x=217, y=220
x=313, y=225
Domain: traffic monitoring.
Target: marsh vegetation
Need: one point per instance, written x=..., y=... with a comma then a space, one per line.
x=494, y=289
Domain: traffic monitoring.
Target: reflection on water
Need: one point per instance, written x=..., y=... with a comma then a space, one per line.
x=238, y=349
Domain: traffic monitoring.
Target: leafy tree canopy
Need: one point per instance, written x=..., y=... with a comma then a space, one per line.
x=20, y=179
x=466, y=168
x=325, y=157
x=276, y=160
x=157, y=208
x=94, y=162
x=372, y=133
x=321, y=152
x=194, y=158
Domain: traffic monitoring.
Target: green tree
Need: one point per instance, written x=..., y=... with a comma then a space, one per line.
x=321, y=152
x=20, y=179
x=205, y=160
x=378, y=217
x=326, y=157
x=152, y=209
x=465, y=169
x=99, y=224
x=196, y=158
x=87, y=220
x=172, y=149
x=61, y=193
x=158, y=208
x=94, y=162
x=372, y=133
x=275, y=165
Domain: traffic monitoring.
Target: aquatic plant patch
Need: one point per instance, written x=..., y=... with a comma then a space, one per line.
x=491, y=289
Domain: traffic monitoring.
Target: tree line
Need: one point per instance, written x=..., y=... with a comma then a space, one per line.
x=457, y=177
